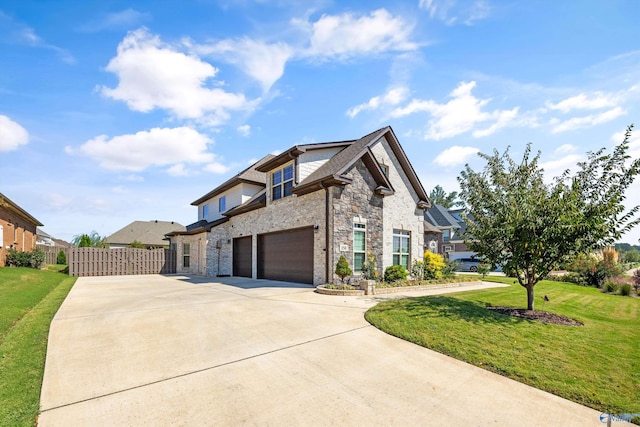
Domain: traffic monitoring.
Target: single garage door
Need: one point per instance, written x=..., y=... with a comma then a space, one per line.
x=242, y=256
x=286, y=255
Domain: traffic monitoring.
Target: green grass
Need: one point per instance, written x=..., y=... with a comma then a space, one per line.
x=29, y=299
x=597, y=365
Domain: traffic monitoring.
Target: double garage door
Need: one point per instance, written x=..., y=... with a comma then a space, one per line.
x=285, y=255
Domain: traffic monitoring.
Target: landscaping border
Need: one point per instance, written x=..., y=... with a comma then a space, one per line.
x=321, y=289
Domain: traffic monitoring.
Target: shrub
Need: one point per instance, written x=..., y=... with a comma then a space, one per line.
x=342, y=268
x=394, y=273
x=370, y=268
x=625, y=290
x=484, y=269
x=570, y=277
x=609, y=287
x=449, y=269
x=433, y=265
x=417, y=269
x=137, y=244
x=61, y=258
x=635, y=279
x=594, y=278
x=33, y=259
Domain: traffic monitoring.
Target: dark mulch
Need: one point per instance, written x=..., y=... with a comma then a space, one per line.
x=538, y=316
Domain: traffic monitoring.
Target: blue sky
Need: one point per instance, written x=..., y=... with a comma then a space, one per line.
x=114, y=111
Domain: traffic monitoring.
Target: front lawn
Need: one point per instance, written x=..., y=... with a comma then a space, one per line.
x=29, y=299
x=597, y=365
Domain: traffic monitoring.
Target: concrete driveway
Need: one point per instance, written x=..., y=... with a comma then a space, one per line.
x=182, y=351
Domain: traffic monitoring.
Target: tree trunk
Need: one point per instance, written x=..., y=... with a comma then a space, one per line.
x=529, y=297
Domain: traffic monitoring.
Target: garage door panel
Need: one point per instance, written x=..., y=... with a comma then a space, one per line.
x=242, y=256
x=286, y=256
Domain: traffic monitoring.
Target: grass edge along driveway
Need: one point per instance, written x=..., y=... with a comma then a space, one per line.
x=29, y=299
x=596, y=365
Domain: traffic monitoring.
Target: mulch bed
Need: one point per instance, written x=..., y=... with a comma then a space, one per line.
x=538, y=316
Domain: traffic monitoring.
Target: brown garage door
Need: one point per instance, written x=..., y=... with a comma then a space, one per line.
x=286, y=255
x=242, y=256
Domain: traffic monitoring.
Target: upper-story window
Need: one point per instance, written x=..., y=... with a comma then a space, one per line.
x=446, y=235
x=282, y=182
x=222, y=204
x=205, y=211
x=385, y=170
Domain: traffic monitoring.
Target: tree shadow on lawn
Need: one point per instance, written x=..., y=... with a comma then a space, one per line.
x=456, y=309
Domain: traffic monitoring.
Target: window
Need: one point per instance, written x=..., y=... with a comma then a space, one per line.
x=205, y=211
x=222, y=204
x=445, y=235
x=186, y=254
x=282, y=182
x=385, y=170
x=359, y=246
x=401, y=248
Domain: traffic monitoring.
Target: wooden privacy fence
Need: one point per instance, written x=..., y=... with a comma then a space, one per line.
x=114, y=262
x=51, y=253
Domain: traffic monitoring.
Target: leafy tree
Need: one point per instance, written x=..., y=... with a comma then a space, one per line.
x=91, y=240
x=137, y=244
x=631, y=256
x=530, y=227
x=342, y=268
x=440, y=197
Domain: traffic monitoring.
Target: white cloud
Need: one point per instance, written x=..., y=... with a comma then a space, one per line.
x=260, y=60
x=154, y=75
x=13, y=31
x=123, y=19
x=584, y=102
x=178, y=170
x=565, y=149
x=558, y=126
x=457, y=11
x=348, y=35
x=244, y=130
x=555, y=168
x=216, y=167
x=463, y=113
x=455, y=155
x=392, y=97
x=12, y=135
x=157, y=147
x=119, y=190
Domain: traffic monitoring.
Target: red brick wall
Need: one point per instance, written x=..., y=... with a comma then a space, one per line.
x=17, y=233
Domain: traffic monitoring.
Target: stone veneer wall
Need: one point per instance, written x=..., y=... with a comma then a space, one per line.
x=197, y=252
x=284, y=214
x=357, y=203
x=400, y=209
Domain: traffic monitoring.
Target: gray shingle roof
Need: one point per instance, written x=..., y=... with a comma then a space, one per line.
x=150, y=233
x=249, y=174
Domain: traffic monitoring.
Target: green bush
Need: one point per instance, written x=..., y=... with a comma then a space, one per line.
x=570, y=277
x=370, y=268
x=61, y=258
x=394, y=273
x=625, y=290
x=609, y=287
x=33, y=259
x=449, y=269
x=484, y=269
x=635, y=279
x=342, y=268
x=417, y=269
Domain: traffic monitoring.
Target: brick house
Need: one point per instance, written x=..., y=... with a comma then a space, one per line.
x=290, y=217
x=17, y=228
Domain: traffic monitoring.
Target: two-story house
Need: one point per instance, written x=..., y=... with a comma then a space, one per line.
x=290, y=217
x=445, y=232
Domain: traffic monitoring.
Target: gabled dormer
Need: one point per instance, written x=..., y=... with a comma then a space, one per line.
x=232, y=193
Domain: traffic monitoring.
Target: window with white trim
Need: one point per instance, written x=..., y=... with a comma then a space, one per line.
x=401, y=240
x=282, y=182
x=446, y=235
x=222, y=204
x=205, y=211
x=385, y=170
x=359, y=246
x=186, y=255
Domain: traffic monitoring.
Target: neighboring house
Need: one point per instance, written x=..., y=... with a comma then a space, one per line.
x=290, y=217
x=43, y=238
x=17, y=228
x=444, y=232
x=150, y=233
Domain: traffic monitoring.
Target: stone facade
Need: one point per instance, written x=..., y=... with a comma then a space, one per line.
x=400, y=211
x=357, y=203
